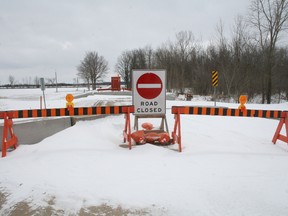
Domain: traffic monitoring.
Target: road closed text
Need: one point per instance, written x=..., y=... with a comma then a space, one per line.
x=149, y=107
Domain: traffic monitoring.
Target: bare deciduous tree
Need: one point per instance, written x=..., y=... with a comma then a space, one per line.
x=189, y=63
x=123, y=67
x=92, y=68
x=51, y=81
x=36, y=80
x=11, y=80
x=269, y=17
x=239, y=63
x=184, y=48
x=134, y=59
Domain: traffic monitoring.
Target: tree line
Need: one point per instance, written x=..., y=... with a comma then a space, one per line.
x=252, y=61
x=29, y=81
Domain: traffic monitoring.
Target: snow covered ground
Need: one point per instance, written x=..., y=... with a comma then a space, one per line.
x=228, y=166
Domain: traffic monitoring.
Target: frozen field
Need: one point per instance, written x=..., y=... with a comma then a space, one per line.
x=228, y=166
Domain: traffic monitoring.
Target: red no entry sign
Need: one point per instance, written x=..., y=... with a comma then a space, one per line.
x=149, y=86
x=149, y=91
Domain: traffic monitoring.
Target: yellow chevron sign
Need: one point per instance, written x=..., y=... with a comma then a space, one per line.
x=214, y=78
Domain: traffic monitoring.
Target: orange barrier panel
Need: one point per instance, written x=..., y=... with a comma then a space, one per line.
x=9, y=139
x=221, y=111
x=71, y=111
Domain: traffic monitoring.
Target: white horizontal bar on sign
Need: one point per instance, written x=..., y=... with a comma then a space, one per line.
x=149, y=85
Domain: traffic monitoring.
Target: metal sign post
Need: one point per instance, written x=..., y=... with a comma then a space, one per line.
x=42, y=83
x=215, y=84
x=214, y=96
x=56, y=81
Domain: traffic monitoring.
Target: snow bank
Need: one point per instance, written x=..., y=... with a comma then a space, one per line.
x=228, y=166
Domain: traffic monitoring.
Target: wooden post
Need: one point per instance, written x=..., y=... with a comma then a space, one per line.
x=176, y=134
x=127, y=129
x=278, y=135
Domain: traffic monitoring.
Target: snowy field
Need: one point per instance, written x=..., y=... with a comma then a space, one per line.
x=228, y=166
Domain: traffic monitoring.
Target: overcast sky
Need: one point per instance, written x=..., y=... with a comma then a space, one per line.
x=40, y=37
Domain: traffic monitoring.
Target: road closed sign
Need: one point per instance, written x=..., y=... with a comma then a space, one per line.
x=149, y=91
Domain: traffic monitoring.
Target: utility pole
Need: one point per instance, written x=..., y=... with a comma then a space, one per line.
x=43, y=89
x=56, y=81
x=77, y=83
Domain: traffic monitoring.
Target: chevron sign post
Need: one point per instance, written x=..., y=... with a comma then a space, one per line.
x=214, y=83
x=214, y=78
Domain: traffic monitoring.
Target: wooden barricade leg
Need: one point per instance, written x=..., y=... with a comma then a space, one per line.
x=8, y=129
x=127, y=129
x=176, y=134
x=278, y=135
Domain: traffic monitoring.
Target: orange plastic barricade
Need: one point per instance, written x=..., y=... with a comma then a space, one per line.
x=139, y=137
x=164, y=138
x=147, y=126
x=148, y=135
x=9, y=139
x=157, y=138
x=152, y=137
